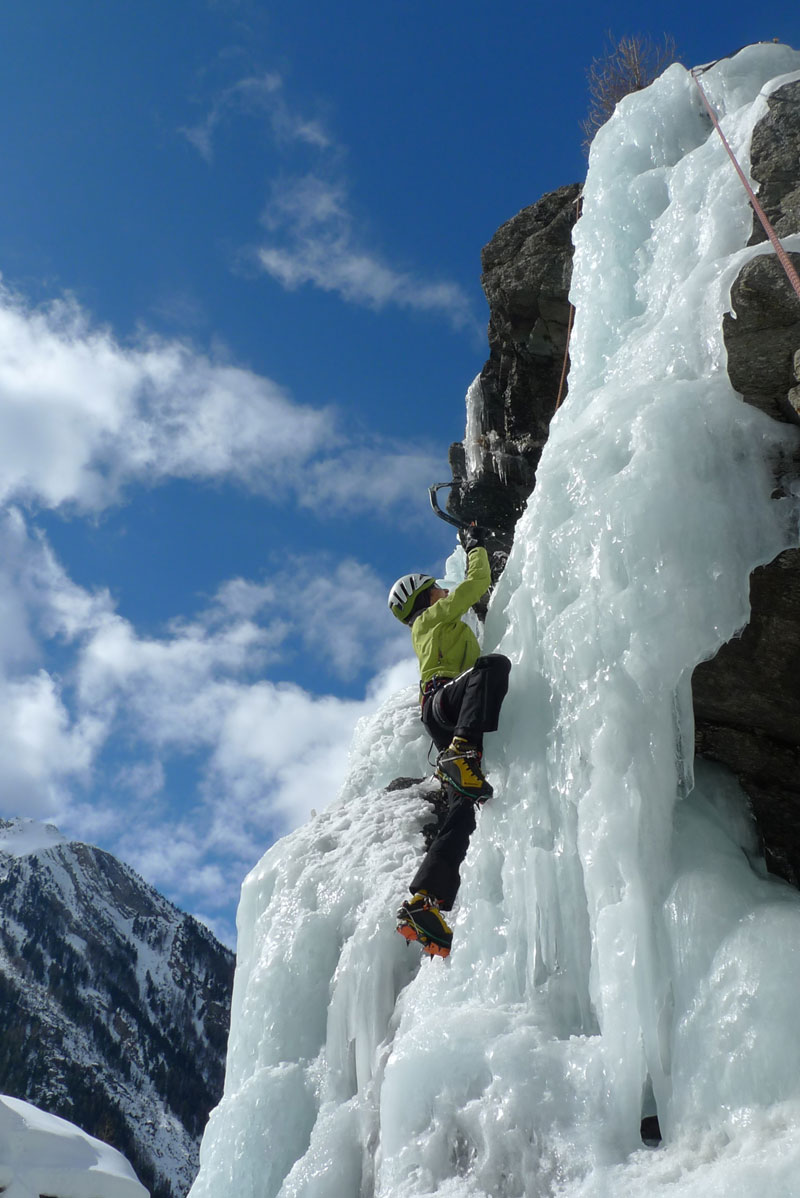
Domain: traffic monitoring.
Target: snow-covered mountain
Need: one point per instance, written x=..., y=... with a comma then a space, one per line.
x=114, y=1004
x=620, y=950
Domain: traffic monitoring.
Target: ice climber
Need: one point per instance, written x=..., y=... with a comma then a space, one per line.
x=461, y=693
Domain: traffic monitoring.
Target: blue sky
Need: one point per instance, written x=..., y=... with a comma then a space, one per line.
x=240, y=251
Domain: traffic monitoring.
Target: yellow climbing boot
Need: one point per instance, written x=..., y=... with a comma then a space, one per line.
x=460, y=766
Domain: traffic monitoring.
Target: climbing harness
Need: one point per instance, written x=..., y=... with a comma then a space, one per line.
x=426, y=689
x=783, y=257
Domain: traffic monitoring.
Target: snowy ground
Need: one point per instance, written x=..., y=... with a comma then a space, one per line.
x=619, y=949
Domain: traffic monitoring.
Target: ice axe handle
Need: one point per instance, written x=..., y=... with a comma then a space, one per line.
x=452, y=519
x=444, y=515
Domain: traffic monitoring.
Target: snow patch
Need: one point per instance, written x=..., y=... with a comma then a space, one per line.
x=20, y=837
x=43, y=1154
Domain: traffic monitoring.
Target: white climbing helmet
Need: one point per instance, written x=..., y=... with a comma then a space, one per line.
x=405, y=592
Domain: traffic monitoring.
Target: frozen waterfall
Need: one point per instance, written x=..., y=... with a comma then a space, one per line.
x=619, y=948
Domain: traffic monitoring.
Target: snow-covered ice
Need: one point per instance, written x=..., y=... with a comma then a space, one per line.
x=41, y=1154
x=619, y=948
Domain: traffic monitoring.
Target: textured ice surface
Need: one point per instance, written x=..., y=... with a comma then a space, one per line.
x=618, y=946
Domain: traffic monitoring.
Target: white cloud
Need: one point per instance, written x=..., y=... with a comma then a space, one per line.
x=38, y=601
x=379, y=479
x=42, y=750
x=280, y=752
x=340, y=616
x=178, y=690
x=333, y=611
x=93, y=748
x=314, y=233
x=243, y=599
x=267, y=752
x=175, y=689
x=83, y=416
x=144, y=779
x=319, y=245
x=307, y=203
x=273, y=753
x=97, y=720
x=256, y=95
x=47, y=747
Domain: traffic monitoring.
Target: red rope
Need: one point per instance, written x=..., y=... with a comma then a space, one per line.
x=563, y=378
x=783, y=257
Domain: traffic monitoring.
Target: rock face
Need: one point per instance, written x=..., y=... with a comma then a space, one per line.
x=527, y=268
x=114, y=1005
x=747, y=712
x=746, y=706
x=774, y=158
x=764, y=336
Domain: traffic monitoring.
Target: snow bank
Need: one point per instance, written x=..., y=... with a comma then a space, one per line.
x=41, y=1154
x=619, y=949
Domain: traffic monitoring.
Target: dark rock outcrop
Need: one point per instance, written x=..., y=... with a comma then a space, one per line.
x=527, y=269
x=763, y=338
x=763, y=335
x=747, y=713
x=746, y=700
x=774, y=159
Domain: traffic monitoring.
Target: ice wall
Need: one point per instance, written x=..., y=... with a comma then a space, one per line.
x=618, y=947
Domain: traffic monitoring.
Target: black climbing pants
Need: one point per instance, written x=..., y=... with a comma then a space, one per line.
x=439, y=875
x=468, y=706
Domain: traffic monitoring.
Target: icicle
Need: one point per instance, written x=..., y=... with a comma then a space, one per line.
x=473, y=439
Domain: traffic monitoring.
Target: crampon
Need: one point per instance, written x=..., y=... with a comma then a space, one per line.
x=420, y=920
x=428, y=946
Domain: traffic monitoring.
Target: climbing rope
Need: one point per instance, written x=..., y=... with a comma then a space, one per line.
x=563, y=378
x=783, y=257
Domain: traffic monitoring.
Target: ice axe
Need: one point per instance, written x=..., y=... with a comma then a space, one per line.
x=446, y=515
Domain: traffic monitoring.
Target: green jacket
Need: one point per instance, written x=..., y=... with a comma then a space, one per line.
x=443, y=643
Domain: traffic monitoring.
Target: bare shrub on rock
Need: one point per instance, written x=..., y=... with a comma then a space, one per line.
x=629, y=64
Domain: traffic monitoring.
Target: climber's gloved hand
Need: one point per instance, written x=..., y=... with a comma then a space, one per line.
x=471, y=537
